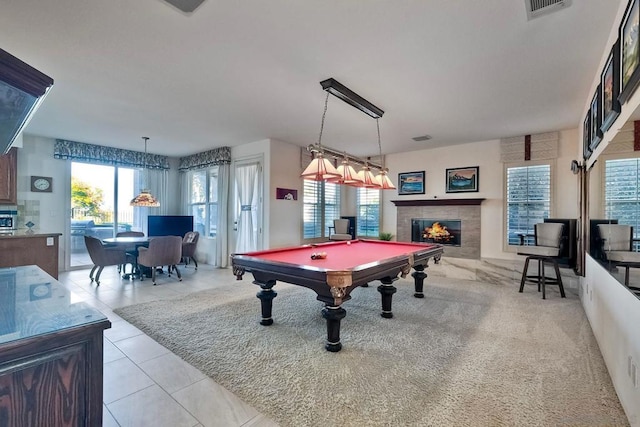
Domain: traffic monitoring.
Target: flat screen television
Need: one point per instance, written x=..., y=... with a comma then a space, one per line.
x=169, y=225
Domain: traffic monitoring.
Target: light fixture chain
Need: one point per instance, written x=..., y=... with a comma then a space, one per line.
x=324, y=114
x=380, y=144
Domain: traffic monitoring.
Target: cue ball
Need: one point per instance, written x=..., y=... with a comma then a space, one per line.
x=348, y=242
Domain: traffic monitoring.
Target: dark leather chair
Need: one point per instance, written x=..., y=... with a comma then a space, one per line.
x=164, y=250
x=189, y=243
x=103, y=255
x=132, y=252
x=546, y=250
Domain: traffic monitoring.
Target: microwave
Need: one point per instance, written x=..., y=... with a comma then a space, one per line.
x=8, y=221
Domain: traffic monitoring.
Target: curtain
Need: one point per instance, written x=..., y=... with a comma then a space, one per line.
x=157, y=182
x=99, y=155
x=185, y=196
x=246, y=183
x=221, y=258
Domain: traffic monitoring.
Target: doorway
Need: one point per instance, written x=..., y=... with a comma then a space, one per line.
x=248, y=216
x=100, y=197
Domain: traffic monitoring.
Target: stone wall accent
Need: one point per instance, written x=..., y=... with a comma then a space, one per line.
x=468, y=214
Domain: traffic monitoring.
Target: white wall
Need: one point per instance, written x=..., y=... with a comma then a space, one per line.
x=486, y=155
x=285, y=223
x=36, y=158
x=614, y=314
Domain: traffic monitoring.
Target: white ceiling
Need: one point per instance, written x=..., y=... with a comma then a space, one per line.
x=238, y=71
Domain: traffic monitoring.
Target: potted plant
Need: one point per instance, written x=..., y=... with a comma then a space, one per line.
x=385, y=236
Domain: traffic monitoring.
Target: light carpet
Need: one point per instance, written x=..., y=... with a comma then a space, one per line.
x=468, y=354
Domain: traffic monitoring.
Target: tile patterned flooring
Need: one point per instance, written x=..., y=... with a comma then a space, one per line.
x=140, y=373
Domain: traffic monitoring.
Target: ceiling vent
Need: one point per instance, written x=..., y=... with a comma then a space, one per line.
x=537, y=8
x=186, y=6
x=421, y=138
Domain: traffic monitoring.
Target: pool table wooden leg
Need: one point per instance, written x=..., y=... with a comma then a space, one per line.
x=418, y=276
x=386, y=291
x=333, y=314
x=266, y=296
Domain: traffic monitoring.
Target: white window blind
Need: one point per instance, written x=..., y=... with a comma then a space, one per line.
x=528, y=199
x=621, y=192
x=368, y=208
x=321, y=206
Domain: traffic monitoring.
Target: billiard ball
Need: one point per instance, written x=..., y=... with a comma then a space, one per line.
x=348, y=242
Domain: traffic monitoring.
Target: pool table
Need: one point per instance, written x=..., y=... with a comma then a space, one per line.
x=348, y=264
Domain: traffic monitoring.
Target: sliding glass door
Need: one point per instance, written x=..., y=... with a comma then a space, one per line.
x=100, y=197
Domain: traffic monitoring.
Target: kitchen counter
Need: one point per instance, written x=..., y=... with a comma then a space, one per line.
x=25, y=233
x=24, y=248
x=51, y=352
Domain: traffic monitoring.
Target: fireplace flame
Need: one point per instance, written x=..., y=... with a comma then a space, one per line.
x=437, y=233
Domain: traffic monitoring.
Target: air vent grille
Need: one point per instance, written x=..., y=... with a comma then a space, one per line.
x=536, y=8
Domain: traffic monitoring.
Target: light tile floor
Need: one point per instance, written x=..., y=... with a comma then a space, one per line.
x=144, y=383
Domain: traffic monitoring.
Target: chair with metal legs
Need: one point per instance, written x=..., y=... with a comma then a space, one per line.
x=546, y=250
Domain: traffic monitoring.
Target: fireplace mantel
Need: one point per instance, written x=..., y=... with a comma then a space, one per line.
x=438, y=202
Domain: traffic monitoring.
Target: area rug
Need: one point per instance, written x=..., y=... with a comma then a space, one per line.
x=468, y=354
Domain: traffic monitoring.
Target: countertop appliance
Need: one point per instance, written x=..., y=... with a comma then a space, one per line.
x=8, y=221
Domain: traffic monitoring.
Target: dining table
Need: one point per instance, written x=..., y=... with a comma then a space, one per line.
x=131, y=245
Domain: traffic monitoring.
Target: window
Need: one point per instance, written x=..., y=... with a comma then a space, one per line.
x=368, y=212
x=321, y=207
x=621, y=192
x=203, y=202
x=528, y=199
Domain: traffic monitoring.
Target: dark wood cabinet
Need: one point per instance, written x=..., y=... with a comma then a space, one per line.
x=51, y=358
x=21, y=248
x=8, y=177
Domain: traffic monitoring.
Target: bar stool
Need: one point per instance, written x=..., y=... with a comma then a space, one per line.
x=546, y=250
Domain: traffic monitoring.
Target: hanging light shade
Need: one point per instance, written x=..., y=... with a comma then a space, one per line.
x=382, y=179
x=367, y=178
x=145, y=198
x=348, y=174
x=320, y=169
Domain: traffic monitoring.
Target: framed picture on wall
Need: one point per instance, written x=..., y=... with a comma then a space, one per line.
x=629, y=51
x=410, y=183
x=610, y=88
x=586, y=136
x=463, y=180
x=596, y=118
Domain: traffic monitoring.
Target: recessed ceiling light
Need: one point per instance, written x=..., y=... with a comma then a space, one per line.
x=421, y=138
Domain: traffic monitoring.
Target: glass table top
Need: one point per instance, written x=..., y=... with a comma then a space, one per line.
x=33, y=303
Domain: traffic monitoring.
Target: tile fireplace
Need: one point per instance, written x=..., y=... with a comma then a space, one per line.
x=445, y=232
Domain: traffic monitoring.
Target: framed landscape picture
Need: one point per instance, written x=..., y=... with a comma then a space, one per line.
x=610, y=88
x=411, y=183
x=629, y=51
x=596, y=118
x=462, y=180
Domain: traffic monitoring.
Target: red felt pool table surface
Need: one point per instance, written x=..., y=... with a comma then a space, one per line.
x=341, y=255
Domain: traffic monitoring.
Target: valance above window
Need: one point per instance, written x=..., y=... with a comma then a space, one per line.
x=541, y=146
x=98, y=154
x=215, y=157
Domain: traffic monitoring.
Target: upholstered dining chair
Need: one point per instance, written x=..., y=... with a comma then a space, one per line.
x=617, y=246
x=132, y=251
x=546, y=250
x=189, y=243
x=102, y=255
x=340, y=230
x=163, y=250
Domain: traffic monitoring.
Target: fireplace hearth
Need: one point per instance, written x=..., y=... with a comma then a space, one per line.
x=445, y=232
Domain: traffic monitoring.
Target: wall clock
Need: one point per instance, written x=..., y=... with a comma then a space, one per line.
x=41, y=184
